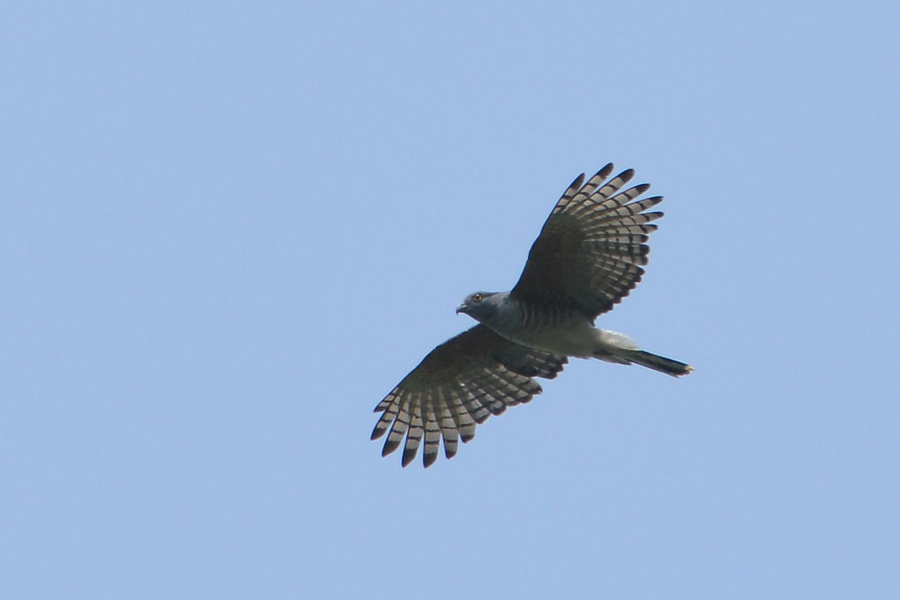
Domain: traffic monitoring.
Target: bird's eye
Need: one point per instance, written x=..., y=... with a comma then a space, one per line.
x=477, y=297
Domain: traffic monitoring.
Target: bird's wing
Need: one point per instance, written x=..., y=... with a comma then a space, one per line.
x=590, y=251
x=460, y=384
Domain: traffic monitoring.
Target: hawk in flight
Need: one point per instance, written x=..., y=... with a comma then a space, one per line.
x=588, y=256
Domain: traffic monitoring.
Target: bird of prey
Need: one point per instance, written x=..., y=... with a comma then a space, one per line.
x=588, y=256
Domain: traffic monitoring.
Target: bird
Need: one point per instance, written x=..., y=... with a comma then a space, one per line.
x=588, y=256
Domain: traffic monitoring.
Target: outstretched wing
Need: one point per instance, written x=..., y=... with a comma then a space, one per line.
x=460, y=384
x=590, y=251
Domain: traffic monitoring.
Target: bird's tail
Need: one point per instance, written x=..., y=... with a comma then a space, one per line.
x=655, y=362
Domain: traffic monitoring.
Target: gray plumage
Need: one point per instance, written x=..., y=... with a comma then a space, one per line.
x=589, y=255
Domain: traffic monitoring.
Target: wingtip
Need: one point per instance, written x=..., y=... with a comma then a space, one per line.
x=626, y=175
x=641, y=188
x=577, y=182
x=408, y=457
x=389, y=446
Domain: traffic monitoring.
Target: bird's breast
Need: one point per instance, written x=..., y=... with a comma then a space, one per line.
x=565, y=333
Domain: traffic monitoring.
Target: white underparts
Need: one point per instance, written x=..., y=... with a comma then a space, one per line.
x=611, y=344
x=614, y=341
x=575, y=337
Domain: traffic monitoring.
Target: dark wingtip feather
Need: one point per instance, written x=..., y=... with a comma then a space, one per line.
x=651, y=201
x=576, y=184
x=389, y=446
x=641, y=188
x=409, y=454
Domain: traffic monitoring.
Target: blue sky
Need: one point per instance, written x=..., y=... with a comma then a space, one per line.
x=229, y=229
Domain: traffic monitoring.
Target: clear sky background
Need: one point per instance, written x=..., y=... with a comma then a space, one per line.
x=229, y=229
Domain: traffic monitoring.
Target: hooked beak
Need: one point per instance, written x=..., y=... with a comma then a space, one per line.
x=461, y=308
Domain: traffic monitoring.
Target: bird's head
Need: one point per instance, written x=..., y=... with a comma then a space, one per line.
x=480, y=305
